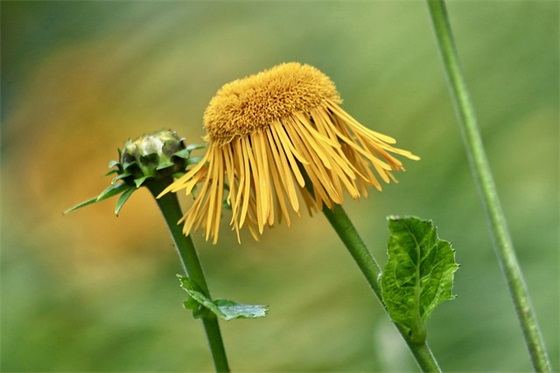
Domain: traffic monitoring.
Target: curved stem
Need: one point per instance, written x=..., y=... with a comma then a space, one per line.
x=370, y=269
x=171, y=211
x=484, y=180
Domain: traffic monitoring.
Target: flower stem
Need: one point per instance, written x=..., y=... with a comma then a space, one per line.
x=370, y=269
x=484, y=180
x=171, y=210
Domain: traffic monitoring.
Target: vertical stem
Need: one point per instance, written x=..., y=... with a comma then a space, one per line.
x=171, y=210
x=484, y=180
x=370, y=269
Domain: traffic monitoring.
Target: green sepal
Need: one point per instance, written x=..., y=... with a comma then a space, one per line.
x=177, y=175
x=110, y=191
x=123, y=198
x=121, y=177
x=80, y=205
x=158, y=155
x=223, y=308
x=114, y=163
x=418, y=275
x=186, y=153
x=164, y=164
x=138, y=182
x=111, y=172
x=183, y=153
x=126, y=165
x=193, y=160
x=192, y=147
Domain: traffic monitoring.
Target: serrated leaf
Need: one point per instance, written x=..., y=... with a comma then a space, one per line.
x=122, y=200
x=418, y=275
x=223, y=308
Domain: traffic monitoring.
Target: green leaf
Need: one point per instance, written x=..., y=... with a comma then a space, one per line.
x=418, y=275
x=223, y=308
x=234, y=310
x=110, y=191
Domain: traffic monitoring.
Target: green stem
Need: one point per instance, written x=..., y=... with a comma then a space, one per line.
x=484, y=180
x=171, y=210
x=370, y=269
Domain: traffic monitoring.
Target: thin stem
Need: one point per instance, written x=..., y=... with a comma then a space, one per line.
x=171, y=210
x=370, y=269
x=484, y=180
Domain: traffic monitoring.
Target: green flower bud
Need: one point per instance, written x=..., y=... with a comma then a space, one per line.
x=157, y=155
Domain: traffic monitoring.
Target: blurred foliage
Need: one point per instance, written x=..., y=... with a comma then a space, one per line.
x=89, y=292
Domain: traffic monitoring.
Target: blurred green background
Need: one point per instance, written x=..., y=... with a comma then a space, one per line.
x=90, y=292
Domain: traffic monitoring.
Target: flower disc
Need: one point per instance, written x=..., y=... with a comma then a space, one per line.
x=255, y=102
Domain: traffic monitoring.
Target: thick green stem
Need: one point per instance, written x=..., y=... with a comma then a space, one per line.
x=484, y=180
x=370, y=269
x=171, y=210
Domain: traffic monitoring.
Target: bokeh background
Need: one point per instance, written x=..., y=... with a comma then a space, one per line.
x=90, y=292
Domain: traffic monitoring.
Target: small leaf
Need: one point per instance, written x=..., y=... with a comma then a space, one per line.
x=234, y=310
x=418, y=275
x=223, y=308
x=122, y=199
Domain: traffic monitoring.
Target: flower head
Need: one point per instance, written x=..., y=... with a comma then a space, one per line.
x=278, y=138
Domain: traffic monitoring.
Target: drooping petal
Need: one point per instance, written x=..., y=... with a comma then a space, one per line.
x=269, y=136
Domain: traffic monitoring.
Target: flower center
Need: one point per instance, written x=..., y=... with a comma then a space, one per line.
x=253, y=103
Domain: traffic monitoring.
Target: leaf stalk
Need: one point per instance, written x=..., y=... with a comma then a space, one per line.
x=171, y=211
x=343, y=226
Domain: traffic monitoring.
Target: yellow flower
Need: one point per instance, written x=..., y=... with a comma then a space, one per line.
x=269, y=135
